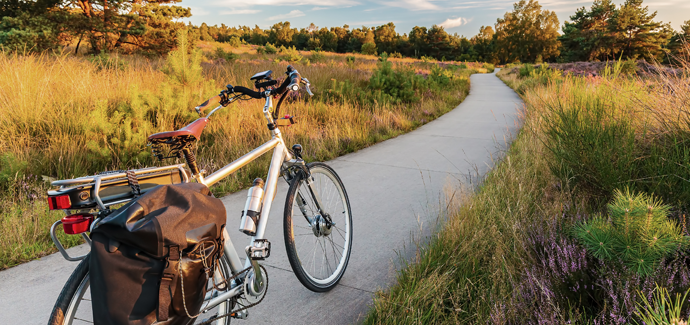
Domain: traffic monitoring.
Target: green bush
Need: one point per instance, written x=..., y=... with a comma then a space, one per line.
x=369, y=48
x=267, y=49
x=317, y=56
x=427, y=59
x=637, y=232
x=235, y=41
x=628, y=67
x=489, y=67
x=104, y=61
x=227, y=56
x=350, y=59
x=396, y=55
x=290, y=54
x=526, y=70
x=393, y=85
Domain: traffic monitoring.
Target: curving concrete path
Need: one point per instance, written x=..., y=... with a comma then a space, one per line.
x=395, y=188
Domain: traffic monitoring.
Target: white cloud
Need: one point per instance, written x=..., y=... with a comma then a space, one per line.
x=413, y=4
x=291, y=14
x=450, y=23
x=240, y=12
x=198, y=11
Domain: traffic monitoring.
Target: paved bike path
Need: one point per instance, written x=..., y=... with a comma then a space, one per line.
x=395, y=190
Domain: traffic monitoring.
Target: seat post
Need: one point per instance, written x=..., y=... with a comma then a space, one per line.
x=191, y=160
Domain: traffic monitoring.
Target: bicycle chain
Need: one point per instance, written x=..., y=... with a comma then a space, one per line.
x=245, y=307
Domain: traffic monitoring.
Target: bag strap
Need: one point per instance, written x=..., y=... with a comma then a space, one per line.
x=168, y=283
x=133, y=182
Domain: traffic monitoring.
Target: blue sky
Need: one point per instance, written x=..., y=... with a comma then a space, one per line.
x=462, y=17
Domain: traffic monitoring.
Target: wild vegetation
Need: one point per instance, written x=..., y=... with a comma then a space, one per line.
x=584, y=221
x=65, y=116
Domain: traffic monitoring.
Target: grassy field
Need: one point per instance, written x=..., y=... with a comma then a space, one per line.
x=518, y=251
x=64, y=116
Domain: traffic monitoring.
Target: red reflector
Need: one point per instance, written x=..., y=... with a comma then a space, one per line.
x=59, y=202
x=77, y=223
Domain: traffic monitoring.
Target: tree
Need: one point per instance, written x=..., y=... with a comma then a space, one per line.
x=527, y=34
x=484, y=45
x=386, y=38
x=637, y=34
x=34, y=25
x=438, y=41
x=418, y=41
x=588, y=36
x=146, y=25
x=281, y=34
x=678, y=45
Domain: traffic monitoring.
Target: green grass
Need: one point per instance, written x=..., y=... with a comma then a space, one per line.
x=68, y=116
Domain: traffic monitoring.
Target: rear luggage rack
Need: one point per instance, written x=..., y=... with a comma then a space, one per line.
x=109, y=188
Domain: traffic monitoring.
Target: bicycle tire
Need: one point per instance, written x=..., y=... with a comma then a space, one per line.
x=80, y=275
x=321, y=174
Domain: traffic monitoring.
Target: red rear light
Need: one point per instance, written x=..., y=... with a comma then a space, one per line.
x=77, y=223
x=59, y=202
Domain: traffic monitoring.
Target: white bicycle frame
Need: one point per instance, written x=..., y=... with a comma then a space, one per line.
x=281, y=157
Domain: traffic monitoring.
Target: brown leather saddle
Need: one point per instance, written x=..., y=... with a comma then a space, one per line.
x=176, y=140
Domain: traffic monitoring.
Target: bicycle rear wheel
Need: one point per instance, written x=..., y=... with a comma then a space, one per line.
x=73, y=306
x=318, y=241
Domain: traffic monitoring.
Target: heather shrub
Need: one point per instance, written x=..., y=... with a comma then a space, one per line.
x=489, y=67
x=562, y=283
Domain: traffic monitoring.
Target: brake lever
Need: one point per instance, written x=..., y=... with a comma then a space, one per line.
x=307, y=86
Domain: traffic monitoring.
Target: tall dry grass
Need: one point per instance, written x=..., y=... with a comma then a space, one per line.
x=63, y=116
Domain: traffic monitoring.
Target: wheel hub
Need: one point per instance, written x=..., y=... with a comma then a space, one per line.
x=321, y=226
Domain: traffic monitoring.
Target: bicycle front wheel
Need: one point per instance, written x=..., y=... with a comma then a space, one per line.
x=318, y=227
x=73, y=306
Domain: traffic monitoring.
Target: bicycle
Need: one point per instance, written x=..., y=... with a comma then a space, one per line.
x=315, y=192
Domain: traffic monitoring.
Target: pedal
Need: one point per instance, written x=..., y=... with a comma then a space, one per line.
x=259, y=250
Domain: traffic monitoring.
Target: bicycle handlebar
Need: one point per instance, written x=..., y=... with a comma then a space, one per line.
x=290, y=83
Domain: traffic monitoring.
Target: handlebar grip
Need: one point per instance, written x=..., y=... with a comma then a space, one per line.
x=248, y=92
x=207, y=104
x=295, y=79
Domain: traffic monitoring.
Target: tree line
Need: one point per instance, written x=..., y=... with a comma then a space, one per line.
x=528, y=33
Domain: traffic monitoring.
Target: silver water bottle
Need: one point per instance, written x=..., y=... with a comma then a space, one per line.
x=250, y=215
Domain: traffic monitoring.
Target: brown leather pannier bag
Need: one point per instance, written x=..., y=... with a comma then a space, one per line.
x=153, y=253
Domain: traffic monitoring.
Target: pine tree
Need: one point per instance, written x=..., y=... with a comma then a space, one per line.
x=636, y=33
x=587, y=37
x=637, y=232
